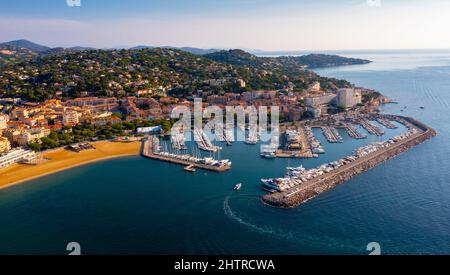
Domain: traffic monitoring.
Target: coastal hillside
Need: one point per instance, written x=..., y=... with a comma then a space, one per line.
x=242, y=58
x=238, y=57
x=324, y=60
x=192, y=50
x=153, y=72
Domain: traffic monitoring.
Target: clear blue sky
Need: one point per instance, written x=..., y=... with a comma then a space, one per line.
x=255, y=24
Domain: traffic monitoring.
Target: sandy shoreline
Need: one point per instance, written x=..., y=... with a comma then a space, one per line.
x=62, y=159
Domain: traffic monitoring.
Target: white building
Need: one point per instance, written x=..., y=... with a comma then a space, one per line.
x=149, y=130
x=33, y=135
x=346, y=98
x=71, y=118
x=16, y=156
x=322, y=99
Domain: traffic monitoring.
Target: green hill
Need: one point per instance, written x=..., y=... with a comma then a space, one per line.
x=242, y=58
x=158, y=71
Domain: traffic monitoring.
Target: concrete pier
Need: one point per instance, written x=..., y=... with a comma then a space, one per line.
x=372, y=129
x=309, y=190
x=353, y=132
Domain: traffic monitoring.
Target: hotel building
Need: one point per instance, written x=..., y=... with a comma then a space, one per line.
x=348, y=98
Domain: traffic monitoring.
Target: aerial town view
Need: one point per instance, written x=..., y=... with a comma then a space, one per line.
x=124, y=131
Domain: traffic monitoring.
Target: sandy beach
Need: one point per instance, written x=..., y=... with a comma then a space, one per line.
x=61, y=159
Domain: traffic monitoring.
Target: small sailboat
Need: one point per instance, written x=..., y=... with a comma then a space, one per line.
x=238, y=187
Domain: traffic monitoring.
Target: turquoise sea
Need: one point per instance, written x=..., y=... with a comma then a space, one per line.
x=134, y=205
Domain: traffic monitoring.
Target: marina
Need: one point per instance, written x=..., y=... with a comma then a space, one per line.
x=372, y=129
x=315, y=144
x=332, y=135
x=300, y=185
x=252, y=137
x=178, y=140
x=151, y=149
x=228, y=134
x=219, y=133
x=297, y=142
x=203, y=141
x=386, y=123
x=353, y=132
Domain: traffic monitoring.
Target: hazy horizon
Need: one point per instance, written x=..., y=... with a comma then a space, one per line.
x=265, y=25
x=245, y=49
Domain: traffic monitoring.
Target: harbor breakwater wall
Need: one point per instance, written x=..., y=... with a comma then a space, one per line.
x=289, y=199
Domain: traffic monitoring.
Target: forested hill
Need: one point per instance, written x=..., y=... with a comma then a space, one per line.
x=157, y=71
x=324, y=60
x=242, y=58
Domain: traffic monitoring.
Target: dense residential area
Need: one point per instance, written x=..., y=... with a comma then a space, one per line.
x=57, y=97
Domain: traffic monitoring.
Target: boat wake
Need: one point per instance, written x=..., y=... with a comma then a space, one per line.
x=232, y=215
